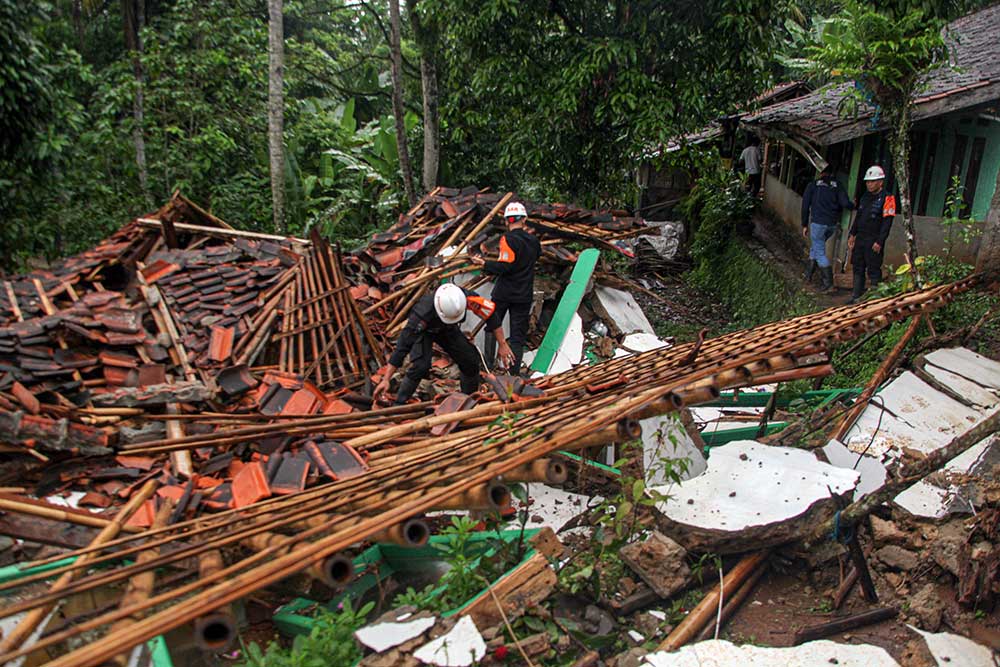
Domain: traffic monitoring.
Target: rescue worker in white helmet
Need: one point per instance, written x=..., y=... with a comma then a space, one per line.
x=436, y=318
x=514, y=269
x=869, y=231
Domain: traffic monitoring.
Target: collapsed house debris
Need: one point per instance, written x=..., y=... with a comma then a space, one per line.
x=216, y=385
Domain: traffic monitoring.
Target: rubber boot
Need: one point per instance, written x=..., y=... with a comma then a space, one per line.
x=811, y=267
x=826, y=279
x=858, y=287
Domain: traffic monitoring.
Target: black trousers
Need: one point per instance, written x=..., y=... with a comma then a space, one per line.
x=456, y=345
x=520, y=316
x=866, y=261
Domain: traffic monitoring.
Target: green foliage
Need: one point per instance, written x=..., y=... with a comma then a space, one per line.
x=884, y=54
x=856, y=369
x=718, y=212
x=25, y=78
x=564, y=96
x=958, y=225
x=597, y=569
x=331, y=642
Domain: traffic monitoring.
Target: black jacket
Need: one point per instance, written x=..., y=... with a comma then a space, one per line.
x=825, y=199
x=423, y=319
x=515, y=267
x=874, y=217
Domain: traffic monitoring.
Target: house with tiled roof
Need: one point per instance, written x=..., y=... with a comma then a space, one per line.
x=956, y=133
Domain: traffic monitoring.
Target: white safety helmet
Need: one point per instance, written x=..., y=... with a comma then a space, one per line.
x=874, y=173
x=449, y=302
x=515, y=209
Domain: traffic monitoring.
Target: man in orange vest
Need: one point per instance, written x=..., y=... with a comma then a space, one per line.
x=514, y=269
x=870, y=230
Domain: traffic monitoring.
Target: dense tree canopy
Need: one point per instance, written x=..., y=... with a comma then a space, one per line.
x=556, y=99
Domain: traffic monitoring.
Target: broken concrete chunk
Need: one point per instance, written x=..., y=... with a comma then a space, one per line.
x=887, y=532
x=822, y=652
x=751, y=496
x=461, y=647
x=898, y=558
x=660, y=562
x=926, y=606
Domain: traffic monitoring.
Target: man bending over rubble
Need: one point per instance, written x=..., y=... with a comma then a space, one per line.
x=435, y=318
x=515, y=285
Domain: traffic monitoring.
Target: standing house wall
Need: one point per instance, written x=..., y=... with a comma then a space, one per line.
x=932, y=236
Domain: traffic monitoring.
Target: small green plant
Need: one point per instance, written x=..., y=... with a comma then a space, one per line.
x=959, y=227
x=331, y=642
x=597, y=569
x=823, y=606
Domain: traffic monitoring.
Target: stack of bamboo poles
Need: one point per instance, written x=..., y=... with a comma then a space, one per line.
x=324, y=336
x=319, y=524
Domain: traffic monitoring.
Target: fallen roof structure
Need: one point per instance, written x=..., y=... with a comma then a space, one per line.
x=244, y=359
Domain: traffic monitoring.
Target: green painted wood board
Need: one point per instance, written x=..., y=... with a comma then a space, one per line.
x=570, y=301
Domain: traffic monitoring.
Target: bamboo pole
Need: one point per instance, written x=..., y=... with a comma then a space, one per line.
x=692, y=624
x=33, y=618
x=55, y=514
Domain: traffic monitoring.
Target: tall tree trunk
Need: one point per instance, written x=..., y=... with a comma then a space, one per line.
x=901, y=165
x=396, y=67
x=988, y=258
x=432, y=127
x=276, y=110
x=134, y=16
x=426, y=36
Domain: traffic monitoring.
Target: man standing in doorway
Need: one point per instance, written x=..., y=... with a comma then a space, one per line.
x=822, y=205
x=870, y=230
x=514, y=269
x=751, y=159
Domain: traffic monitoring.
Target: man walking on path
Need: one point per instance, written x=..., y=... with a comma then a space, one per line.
x=435, y=318
x=825, y=200
x=514, y=269
x=751, y=159
x=869, y=231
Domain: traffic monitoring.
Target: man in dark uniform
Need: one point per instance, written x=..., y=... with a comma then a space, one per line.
x=870, y=230
x=514, y=269
x=435, y=318
x=825, y=200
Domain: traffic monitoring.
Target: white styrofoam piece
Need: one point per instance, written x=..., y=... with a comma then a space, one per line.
x=555, y=507
x=968, y=364
x=750, y=484
x=665, y=438
x=950, y=650
x=971, y=391
x=639, y=342
x=720, y=653
x=929, y=500
x=872, y=471
x=636, y=637
x=622, y=308
x=460, y=647
x=383, y=636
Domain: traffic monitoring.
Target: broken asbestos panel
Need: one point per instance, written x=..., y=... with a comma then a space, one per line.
x=620, y=311
x=751, y=496
x=927, y=499
x=823, y=652
x=949, y=649
x=381, y=637
x=664, y=440
x=569, y=354
x=968, y=364
x=461, y=647
x=916, y=416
